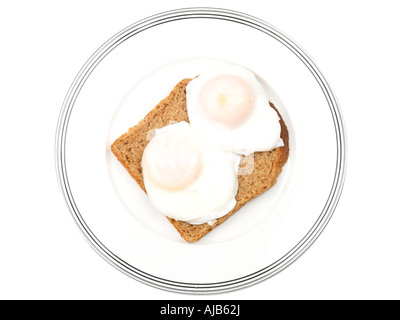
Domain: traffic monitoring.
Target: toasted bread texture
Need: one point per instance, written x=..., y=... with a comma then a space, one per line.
x=129, y=148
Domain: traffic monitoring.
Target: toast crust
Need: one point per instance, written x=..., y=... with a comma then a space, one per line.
x=129, y=148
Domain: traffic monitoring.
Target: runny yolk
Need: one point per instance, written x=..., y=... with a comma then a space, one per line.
x=227, y=99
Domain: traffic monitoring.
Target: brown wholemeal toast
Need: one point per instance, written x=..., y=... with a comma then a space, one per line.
x=129, y=148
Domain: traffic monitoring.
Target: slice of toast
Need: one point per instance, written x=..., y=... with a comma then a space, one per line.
x=129, y=148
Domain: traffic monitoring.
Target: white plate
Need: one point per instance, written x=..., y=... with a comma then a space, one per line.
x=125, y=78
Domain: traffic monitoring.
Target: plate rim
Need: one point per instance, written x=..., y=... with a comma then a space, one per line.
x=200, y=13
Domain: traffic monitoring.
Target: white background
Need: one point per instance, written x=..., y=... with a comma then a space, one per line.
x=43, y=255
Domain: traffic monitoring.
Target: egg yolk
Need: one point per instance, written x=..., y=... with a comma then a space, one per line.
x=227, y=99
x=172, y=162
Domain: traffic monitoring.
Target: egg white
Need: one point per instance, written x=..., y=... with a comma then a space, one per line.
x=259, y=132
x=211, y=196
